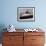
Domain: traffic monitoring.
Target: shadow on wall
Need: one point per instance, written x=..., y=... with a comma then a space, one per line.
x=2, y=26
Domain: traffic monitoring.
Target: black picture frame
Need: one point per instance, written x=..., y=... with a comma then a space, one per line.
x=26, y=14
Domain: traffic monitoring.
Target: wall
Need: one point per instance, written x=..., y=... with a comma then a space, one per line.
x=8, y=15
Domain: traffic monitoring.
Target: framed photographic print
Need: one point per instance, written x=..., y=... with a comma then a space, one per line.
x=26, y=14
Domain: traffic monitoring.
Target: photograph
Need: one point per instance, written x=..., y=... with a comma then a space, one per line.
x=26, y=14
